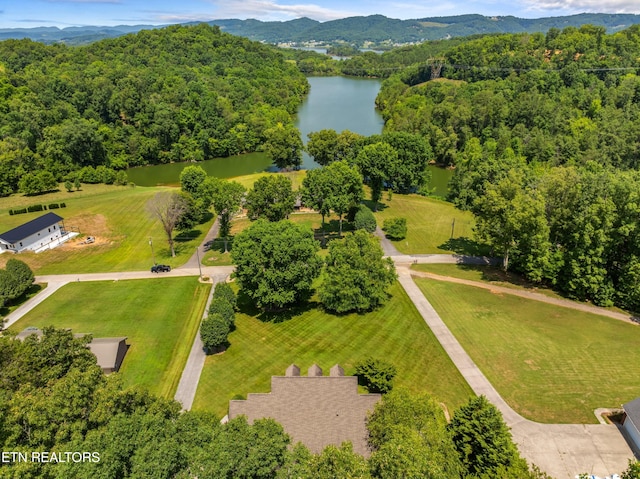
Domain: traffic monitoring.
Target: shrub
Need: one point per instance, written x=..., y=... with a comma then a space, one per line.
x=214, y=332
x=376, y=375
x=364, y=219
x=224, y=308
x=54, y=206
x=224, y=290
x=33, y=208
x=395, y=228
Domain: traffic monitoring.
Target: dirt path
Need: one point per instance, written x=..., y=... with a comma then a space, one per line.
x=565, y=303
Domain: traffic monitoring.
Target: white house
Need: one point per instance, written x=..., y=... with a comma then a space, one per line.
x=44, y=232
x=631, y=424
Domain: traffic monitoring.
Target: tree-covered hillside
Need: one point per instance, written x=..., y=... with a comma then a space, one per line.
x=544, y=135
x=173, y=94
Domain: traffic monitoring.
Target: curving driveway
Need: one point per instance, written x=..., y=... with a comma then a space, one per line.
x=561, y=450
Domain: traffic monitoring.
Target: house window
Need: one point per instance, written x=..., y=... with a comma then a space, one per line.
x=21, y=244
x=49, y=230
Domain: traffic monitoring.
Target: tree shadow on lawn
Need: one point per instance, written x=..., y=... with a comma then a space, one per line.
x=217, y=245
x=248, y=307
x=186, y=236
x=14, y=303
x=466, y=246
x=371, y=204
x=332, y=231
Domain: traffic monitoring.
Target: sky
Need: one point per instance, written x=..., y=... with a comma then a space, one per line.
x=64, y=13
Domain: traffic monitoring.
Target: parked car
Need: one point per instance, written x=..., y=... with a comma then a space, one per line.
x=160, y=268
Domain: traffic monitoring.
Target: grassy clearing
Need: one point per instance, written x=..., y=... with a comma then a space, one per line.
x=61, y=196
x=551, y=364
x=296, y=178
x=429, y=224
x=216, y=256
x=160, y=318
x=486, y=274
x=395, y=332
x=117, y=218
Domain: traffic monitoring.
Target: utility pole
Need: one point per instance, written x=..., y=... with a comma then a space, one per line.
x=453, y=225
x=199, y=266
x=153, y=255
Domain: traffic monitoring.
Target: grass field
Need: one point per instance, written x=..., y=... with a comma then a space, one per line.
x=395, y=332
x=117, y=218
x=296, y=178
x=551, y=364
x=216, y=256
x=160, y=318
x=429, y=225
x=485, y=274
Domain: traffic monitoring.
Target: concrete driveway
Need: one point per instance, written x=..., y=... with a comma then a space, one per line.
x=560, y=450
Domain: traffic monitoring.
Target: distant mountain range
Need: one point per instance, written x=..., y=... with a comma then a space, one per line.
x=360, y=31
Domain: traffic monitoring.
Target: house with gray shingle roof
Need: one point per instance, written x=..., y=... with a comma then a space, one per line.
x=315, y=410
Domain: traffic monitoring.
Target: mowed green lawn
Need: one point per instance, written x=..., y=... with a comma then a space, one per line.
x=160, y=318
x=551, y=364
x=395, y=332
x=117, y=218
x=429, y=225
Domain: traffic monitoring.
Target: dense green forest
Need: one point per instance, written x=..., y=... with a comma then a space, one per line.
x=543, y=132
x=174, y=94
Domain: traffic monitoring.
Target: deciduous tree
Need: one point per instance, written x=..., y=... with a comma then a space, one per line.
x=376, y=161
x=226, y=201
x=284, y=146
x=276, y=263
x=271, y=197
x=357, y=277
x=168, y=208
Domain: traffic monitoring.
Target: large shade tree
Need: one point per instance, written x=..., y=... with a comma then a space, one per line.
x=226, y=201
x=357, y=277
x=271, y=197
x=284, y=145
x=276, y=263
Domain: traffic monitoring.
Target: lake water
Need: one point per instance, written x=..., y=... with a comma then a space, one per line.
x=339, y=103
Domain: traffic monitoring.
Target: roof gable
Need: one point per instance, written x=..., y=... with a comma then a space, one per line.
x=32, y=227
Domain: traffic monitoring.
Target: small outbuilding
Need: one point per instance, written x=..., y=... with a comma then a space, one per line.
x=109, y=352
x=631, y=424
x=45, y=232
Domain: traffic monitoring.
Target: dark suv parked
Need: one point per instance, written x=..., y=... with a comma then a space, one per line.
x=160, y=268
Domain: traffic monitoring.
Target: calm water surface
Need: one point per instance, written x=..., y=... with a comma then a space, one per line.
x=338, y=103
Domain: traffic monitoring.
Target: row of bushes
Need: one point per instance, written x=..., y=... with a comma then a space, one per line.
x=215, y=328
x=32, y=208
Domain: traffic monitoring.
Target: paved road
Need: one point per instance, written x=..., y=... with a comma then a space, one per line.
x=55, y=282
x=188, y=385
x=210, y=236
x=561, y=450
